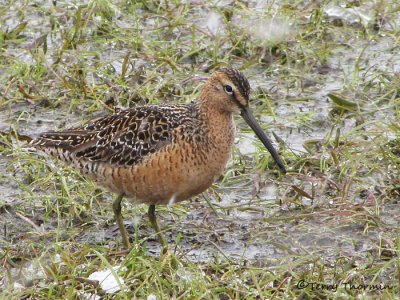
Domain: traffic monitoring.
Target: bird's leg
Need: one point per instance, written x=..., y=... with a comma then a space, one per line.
x=153, y=221
x=120, y=221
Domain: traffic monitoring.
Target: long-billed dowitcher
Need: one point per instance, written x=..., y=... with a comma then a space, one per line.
x=160, y=154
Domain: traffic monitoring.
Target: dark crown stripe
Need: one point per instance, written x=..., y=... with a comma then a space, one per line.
x=239, y=80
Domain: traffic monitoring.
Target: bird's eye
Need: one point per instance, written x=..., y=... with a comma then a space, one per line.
x=228, y=89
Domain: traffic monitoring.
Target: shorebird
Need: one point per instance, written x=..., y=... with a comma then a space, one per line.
x=160, y=154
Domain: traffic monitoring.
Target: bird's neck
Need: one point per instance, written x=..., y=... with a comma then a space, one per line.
x=220, y=124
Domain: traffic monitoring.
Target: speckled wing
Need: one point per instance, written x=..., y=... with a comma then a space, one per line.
x=125, y=138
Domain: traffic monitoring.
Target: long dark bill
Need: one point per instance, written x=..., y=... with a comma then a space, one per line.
x=249, y=118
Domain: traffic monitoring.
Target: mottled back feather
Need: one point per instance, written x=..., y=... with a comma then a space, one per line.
x=125, y=138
